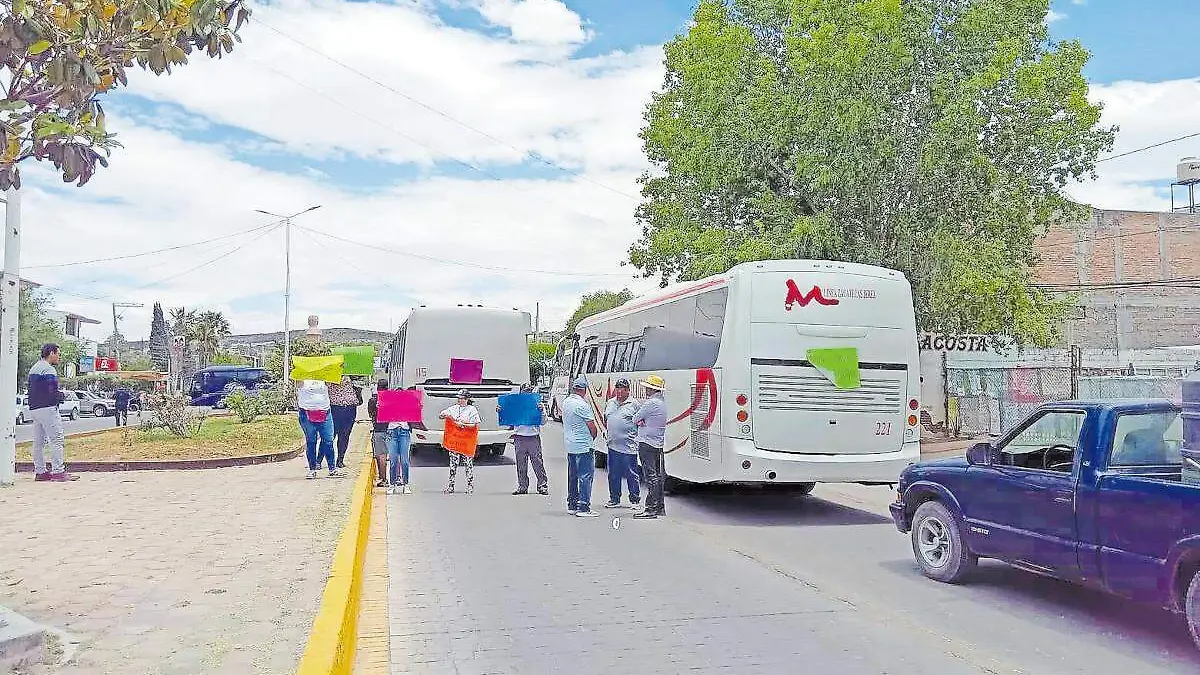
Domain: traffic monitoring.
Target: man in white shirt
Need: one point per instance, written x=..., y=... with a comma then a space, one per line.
x=527, y=442
x=651, y=421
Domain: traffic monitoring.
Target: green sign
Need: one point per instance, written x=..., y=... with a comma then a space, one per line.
x=360, y=359
x=839, y=364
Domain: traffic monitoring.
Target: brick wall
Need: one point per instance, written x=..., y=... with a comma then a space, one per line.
x=1127, y=246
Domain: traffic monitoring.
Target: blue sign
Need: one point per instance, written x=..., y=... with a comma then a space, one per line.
x=520, y=410
x=87, y=364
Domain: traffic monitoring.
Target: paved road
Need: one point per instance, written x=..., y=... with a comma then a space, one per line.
x=25, y=431
x=733, y=581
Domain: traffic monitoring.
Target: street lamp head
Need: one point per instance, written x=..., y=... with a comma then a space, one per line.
x=311, y=208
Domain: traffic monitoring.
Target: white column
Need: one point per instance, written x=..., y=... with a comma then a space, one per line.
x=10, y=304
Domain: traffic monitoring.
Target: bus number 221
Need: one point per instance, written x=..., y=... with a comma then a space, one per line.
x=883, y=428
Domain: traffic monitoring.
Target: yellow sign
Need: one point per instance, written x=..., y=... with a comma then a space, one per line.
x=325, y=368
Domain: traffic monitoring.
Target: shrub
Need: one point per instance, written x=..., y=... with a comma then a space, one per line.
x=246, y=405
x=173, y=412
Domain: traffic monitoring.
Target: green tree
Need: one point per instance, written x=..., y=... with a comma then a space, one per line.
x=59, y=57
x=160, y=341
x=132, y=360
x=928, y=136
x=36, y=328
x=541, y=360
x=210, y=329
x=594, y=303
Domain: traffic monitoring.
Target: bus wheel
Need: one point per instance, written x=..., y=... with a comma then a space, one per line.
x=497, y=450
x=601, y=460
x=805, y=488
x=672, y=485
x=555, y=414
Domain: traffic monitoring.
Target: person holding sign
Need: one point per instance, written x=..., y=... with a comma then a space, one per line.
x=463, y=415
x=312, y=398
x=527, y=442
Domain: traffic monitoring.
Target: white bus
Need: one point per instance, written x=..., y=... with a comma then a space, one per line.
x=746, y=404
x=420, y=357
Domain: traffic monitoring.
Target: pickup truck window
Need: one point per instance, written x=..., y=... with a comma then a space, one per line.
x=1147, y=439
x=1049, y=443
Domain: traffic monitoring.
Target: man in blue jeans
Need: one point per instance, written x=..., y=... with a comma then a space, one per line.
x=622, y=450
x=579, y=432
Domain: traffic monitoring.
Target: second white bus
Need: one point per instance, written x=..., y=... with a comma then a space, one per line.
x=420, y=357
x=746, y=405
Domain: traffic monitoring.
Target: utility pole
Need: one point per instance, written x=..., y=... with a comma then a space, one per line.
x=117, y=331
x=287, y=287
x=10, y=311
x=537, y=322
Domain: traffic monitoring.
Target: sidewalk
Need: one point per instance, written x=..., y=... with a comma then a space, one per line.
x=175, y=572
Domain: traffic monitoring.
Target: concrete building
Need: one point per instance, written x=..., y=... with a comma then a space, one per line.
x=1137, y=276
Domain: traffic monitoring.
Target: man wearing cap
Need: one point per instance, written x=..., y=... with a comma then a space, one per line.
x=527, y=442
x=579, y=433
x=622, y=448
x=651, y=421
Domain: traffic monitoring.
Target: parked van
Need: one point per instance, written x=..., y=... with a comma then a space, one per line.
x=211, y=385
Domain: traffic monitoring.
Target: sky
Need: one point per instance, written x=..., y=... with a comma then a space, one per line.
x=461, y=151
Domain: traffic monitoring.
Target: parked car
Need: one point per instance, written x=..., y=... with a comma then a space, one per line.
x=22, y=408
x=1094, y=493
x=70, y=406
x=96, y=404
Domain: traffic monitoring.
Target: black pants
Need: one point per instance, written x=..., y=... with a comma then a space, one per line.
x=654, y=466
x=121, y=417
x=343, y=424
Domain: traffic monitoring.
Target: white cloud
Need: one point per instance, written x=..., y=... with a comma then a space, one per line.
x=1147, y=113
x=1053, y=16
x=527, y=91
x=544, y=21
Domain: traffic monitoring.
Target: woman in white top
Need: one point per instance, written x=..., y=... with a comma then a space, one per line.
x=312, y=399
x=464, y=414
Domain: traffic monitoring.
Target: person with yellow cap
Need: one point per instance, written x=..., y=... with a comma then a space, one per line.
x=651, y=421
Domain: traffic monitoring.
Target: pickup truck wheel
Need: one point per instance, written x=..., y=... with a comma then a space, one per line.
x=938, y=545
x=1192, y=608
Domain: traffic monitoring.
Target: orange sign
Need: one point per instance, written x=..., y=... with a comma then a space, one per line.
x=462, y=441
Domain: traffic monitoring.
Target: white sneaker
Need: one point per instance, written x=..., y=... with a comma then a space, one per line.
x=407, y=490
x=586, y=514
x=311, y=475
x=337, y=473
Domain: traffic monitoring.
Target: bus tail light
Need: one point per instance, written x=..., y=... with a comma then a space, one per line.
x=913, y=404
x=912, y=420
x=742, y=416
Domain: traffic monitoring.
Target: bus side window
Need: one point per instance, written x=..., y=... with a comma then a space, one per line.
x=621, y=350
x=635, y=354
x=591, y=360
x=610, y=353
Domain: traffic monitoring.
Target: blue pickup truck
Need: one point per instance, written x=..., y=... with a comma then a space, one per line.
x=1091, y=492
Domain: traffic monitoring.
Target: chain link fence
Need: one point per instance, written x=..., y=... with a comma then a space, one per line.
x=983, y=401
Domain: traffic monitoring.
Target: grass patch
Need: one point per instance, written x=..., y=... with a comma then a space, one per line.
x=219, y=437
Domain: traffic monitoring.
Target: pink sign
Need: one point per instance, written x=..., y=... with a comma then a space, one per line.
x=399, y=405
x=466, y=371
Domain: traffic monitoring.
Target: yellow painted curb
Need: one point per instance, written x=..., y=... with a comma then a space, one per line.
x=331, y=644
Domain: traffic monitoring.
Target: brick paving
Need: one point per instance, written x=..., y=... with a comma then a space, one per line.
x=491, y=583
x=175, y=572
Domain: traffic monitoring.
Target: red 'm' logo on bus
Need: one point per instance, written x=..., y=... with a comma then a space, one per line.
x=794, y=296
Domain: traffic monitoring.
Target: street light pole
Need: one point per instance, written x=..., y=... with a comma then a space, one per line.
x=287, y=284
x=10, y=311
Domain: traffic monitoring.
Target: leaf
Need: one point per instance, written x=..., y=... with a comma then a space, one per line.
x=39, y=47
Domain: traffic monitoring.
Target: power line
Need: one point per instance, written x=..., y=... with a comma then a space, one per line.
x=1121, y=235
x=146, y=253
x=441, y=113
x=1190, y=282
x=1148, y=147
x=459, y=263
x=268, y=230
x=415, y=141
